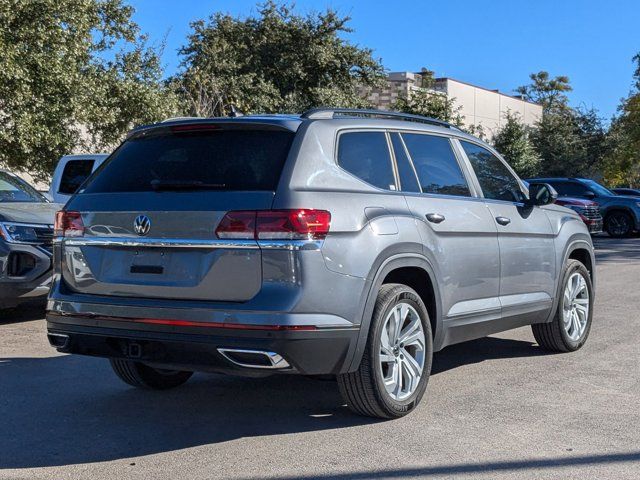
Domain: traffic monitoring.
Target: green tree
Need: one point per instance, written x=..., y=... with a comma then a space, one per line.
x=74, y=74
x=513, y=142
x=430, y=103
x=275, y=61
x=546, y=91
x=570, y=143
x=622, y=165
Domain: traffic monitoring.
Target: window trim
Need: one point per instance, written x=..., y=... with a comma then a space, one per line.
x=523, y=189
x=392, y=159
x=395, y=161
x=473, y=193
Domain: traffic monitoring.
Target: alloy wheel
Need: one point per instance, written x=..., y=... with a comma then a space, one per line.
x=618, y=224
x=575, y=311
x=402, y=351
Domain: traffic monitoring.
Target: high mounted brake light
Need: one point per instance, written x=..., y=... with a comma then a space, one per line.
x=298, y=224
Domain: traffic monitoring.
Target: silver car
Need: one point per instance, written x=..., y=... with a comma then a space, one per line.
x=337, y=242
x=26, y=238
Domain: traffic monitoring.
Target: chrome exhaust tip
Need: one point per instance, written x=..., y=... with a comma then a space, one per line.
x=254, y=358
x=58, y=340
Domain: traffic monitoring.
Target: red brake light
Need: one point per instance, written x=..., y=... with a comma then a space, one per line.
x=194, y=127
x=301, y=224
x=238, y=224
x=68, y=224
x=293, y=224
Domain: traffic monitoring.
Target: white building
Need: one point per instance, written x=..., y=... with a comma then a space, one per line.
x=479, y=106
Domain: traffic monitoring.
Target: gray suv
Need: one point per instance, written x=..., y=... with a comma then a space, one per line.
x=338, y=242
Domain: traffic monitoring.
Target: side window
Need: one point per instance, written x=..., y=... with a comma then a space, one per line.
x=74, y=174
x=570, y=189
x=408, y=179
x=495, y=179
x=366, y=155
x=436, y=164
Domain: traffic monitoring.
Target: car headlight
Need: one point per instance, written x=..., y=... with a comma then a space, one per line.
x=18, y=233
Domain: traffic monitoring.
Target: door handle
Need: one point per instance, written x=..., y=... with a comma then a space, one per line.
x=503, y=220
x=435, y=217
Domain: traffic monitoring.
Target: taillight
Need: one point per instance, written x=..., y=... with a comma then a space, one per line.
x=68, y=224
x=300, y=224
x=238, y=224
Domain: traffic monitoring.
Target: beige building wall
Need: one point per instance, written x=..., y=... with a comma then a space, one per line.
x=487, y=108
x=480, y=106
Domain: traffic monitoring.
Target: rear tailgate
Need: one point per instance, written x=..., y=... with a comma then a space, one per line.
x=150, y=213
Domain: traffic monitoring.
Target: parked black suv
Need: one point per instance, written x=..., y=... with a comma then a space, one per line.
x=621, y=213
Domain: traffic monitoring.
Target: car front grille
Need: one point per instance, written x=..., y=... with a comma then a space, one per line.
x=45, y=236
x=592, y=212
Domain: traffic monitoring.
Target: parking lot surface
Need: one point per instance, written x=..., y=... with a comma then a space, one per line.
x=495, y=407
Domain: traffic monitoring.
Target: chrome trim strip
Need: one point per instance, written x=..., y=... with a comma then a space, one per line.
x=158, y=242
x=275, y=359
x=290, y=244
x=190, y=243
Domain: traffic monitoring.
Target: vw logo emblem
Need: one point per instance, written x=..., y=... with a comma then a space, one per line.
x=142, y=225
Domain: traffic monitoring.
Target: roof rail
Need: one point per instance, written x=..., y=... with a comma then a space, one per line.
x=327, y=113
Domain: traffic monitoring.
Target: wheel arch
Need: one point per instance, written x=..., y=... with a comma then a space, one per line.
x=579, y=249
x=401, y=268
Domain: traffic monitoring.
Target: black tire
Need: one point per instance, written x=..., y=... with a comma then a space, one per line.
x=618, y=224
x=364, y=390
x=139, y=375
x=553, y=336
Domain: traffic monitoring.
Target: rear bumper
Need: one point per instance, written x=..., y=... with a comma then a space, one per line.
x=309, y=351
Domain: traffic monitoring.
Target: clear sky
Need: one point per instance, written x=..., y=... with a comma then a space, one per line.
x=491, y=43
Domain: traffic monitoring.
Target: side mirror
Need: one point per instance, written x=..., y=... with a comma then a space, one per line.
x=541, y=194
x=589, y=194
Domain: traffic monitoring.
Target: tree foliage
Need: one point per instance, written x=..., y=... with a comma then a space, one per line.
x=571, y=143
x=74, y=74
x=431, y=104
x=276, y=61
x=546, y=91
x=622, y=166
x=513, y=142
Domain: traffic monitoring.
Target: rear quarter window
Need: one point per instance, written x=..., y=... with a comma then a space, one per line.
x=224, y=159
x=366, y=155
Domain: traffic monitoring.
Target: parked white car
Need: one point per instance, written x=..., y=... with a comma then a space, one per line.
x=70, y=173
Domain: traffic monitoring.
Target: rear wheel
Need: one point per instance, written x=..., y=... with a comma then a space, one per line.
x=140, y=375
x=618, y=224
x=395, y=367
x=572, y=322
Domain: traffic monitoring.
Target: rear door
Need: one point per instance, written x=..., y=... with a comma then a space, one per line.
x=527, y=249
x=456, y=227
x=150, y=214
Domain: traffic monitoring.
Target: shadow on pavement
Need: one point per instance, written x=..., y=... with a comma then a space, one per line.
x=616, y=249
x=488, y=348
x=67, y=409
x=513, y=466
x=23, y=313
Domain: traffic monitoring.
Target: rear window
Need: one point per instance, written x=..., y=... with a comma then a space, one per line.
x=222, y=159
x=74, y=174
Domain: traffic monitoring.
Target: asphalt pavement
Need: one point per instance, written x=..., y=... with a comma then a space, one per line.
x=498, y=407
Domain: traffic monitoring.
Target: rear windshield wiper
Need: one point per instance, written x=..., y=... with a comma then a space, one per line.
x=186, y=185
